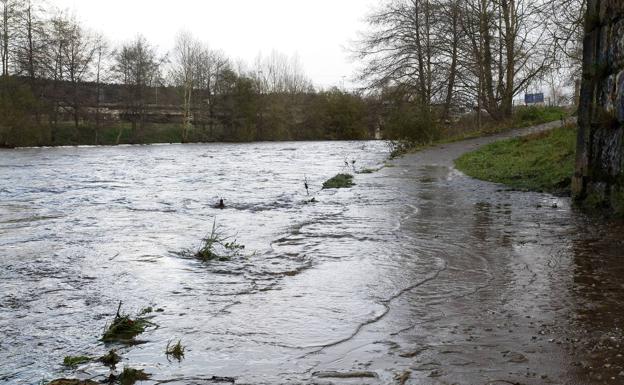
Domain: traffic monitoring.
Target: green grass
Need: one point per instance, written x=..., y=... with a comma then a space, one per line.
x=539, y=162
x=466, y=127
x=124, y=328
x=64, y=381
x=533, y=115
x=175, y=350
x=217, y=247
x=73, y=361
x=110, y=359
x=130, y=376
x=339, y=181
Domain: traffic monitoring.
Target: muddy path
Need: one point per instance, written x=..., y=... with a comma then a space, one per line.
x=416, y=275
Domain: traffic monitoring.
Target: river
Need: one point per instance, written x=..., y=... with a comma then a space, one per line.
x=416, y=275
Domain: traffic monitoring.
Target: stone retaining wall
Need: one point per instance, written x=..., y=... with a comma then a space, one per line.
x=599, y=177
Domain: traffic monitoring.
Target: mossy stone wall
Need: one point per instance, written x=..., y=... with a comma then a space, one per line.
x=599, y=176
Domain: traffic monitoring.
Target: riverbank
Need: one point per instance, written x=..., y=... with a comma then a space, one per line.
x=542, y=162
x=469, y=127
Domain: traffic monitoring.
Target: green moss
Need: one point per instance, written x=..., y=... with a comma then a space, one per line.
x=64, y=381
x=538, y=162
x=339, y=181
x=594, y=200
x=130, y=376
x=73, y=361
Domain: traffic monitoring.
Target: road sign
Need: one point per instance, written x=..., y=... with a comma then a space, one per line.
x=534, y=98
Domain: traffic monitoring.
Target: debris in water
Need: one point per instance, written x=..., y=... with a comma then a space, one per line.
x=401, y=379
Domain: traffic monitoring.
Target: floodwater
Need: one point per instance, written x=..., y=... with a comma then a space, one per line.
x=416, y=275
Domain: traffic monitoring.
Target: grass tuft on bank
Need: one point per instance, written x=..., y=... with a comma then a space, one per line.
x=538, y=162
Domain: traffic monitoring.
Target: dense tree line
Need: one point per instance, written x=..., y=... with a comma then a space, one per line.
x=424, y=62
x=435, y=56
x=63, y=84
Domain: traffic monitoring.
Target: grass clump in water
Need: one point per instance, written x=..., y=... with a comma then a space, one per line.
x=124, y=328
x=64, y=381
x=175, y=350
x=368, y=170
x=110, y=359
x=73, y=361
x=130, y=376
x=217, y=247
x=539, y=162
x=339, y=181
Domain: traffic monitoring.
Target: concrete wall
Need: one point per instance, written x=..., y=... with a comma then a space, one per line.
x=599, y=177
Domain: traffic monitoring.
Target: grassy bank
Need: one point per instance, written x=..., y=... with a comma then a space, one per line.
x=468, y=127
x=538, y=162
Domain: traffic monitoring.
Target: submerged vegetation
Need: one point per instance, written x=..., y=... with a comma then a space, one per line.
x=368, y=170
x=539, y=162
x=110, y=359
x=130, y=376
x=64, y=381
x=218, y=247
x=175, y=350
x=124, y=328
x=73, y=361
x=339, y=181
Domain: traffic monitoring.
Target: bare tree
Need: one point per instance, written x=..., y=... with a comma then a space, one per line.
x=277, y=73
x=440, y=49
x=137, y=67
x=399, y=48
x=31, y=34
x=101, y=56
x=185, y=59
x=9, y=13
x=79, y=52
x=210, y=70
x=57, y=40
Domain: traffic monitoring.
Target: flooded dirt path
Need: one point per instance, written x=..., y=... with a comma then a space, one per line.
x=416, y=275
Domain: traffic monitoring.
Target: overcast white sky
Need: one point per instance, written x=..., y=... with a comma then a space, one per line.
x=317, y=30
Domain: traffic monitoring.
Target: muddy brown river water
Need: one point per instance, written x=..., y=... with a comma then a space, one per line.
x=416, y=275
